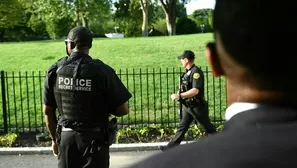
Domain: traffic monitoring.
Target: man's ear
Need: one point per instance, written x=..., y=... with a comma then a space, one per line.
x=213, y=60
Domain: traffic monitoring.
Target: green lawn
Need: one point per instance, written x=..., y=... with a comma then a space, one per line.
x=147, y=66
x=151, y=52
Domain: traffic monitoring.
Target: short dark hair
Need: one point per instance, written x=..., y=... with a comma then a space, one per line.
x=81, y=36
x=261, y=36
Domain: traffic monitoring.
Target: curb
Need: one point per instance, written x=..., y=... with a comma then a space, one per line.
x=113, y=148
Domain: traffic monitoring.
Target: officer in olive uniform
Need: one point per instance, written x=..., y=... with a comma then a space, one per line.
x=86, y=92
x=191, y=94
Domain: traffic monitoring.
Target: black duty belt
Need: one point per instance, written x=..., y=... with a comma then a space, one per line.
x=95, y=129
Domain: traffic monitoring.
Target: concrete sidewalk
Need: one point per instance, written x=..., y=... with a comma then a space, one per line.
x=113, y=148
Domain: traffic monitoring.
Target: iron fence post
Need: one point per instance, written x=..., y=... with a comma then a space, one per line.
x=4, y=102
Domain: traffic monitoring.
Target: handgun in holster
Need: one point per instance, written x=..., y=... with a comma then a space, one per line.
x=191, y=102
x=112, y=131
x=58, y=133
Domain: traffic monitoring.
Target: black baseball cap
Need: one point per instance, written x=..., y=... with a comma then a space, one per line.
x=187, y=54
x=81, y=36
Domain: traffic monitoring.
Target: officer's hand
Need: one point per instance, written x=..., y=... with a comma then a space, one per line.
x=174, y=97
x=55, y=148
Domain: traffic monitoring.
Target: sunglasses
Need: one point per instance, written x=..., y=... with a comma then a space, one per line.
x=67, y=41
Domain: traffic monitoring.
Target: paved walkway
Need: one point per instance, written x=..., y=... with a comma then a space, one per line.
x=113, y=148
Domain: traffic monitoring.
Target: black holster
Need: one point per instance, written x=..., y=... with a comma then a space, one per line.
x=58, y=133
x=193, y=102
x=112, y=131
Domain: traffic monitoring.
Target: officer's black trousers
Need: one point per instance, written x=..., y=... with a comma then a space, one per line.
x=200, y=114
x=82, y=150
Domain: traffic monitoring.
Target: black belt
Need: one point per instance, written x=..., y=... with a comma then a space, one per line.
x=95, y=129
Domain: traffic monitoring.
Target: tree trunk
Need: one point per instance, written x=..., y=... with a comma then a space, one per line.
x=84, y=20
x=2, y=32
x=144, y=5
x=77, y=20
x=77, y=12
x=170, y=11
x=77, y=17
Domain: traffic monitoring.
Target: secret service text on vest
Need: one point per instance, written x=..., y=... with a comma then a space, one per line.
x=66, y=83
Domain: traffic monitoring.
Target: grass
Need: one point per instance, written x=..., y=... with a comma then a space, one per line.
x=147, y=66
x=152, y=52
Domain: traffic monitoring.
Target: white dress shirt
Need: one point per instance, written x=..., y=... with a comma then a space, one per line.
x=239, y=107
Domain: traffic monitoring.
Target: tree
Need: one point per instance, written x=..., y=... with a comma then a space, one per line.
x=203, y=17
x=170, y=9
x=86, y=9
x=10, y=13
x=126, y=10
x=53, y=13
x=60, y=15
x=186, y=26
x=128, y=16
x=145, y=7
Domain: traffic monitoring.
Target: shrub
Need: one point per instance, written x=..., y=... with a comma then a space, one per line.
x=7, y=140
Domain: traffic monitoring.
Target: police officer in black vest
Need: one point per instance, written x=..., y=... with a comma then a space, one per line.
x=191, y=94
x=86, y=92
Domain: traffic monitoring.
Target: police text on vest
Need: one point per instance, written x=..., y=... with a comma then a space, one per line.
x=66, y=83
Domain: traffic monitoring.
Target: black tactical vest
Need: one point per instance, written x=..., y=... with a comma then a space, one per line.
x=187, y=83
x=78, y=91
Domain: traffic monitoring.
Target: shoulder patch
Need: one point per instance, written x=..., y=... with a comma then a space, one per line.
x=196, y=75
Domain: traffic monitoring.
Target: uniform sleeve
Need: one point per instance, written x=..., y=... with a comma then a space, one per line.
x=197, y=78
x=117, y=93
x=48, y=90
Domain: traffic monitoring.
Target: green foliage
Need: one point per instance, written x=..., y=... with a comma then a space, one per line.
x=129, y=17
x=22, y=20
x=161, y=27
x=87, y=10
x=203, y=17
x=50, y=16
x=146, y=134
x=58, y=17
x=157, y=133
x=157, y=11
x=181, y=11
x=220, y=127
x=186, y=26
x=8, y=139
x=151, y=133
x=37, y=25
x=58, y=28
x=100, y=28
x=10, y=13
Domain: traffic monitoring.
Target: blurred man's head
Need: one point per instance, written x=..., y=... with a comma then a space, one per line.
x=79, y=38
x=187, y=58
x=255, y=43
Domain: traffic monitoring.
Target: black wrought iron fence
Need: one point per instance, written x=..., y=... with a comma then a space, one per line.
x=21, y=98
